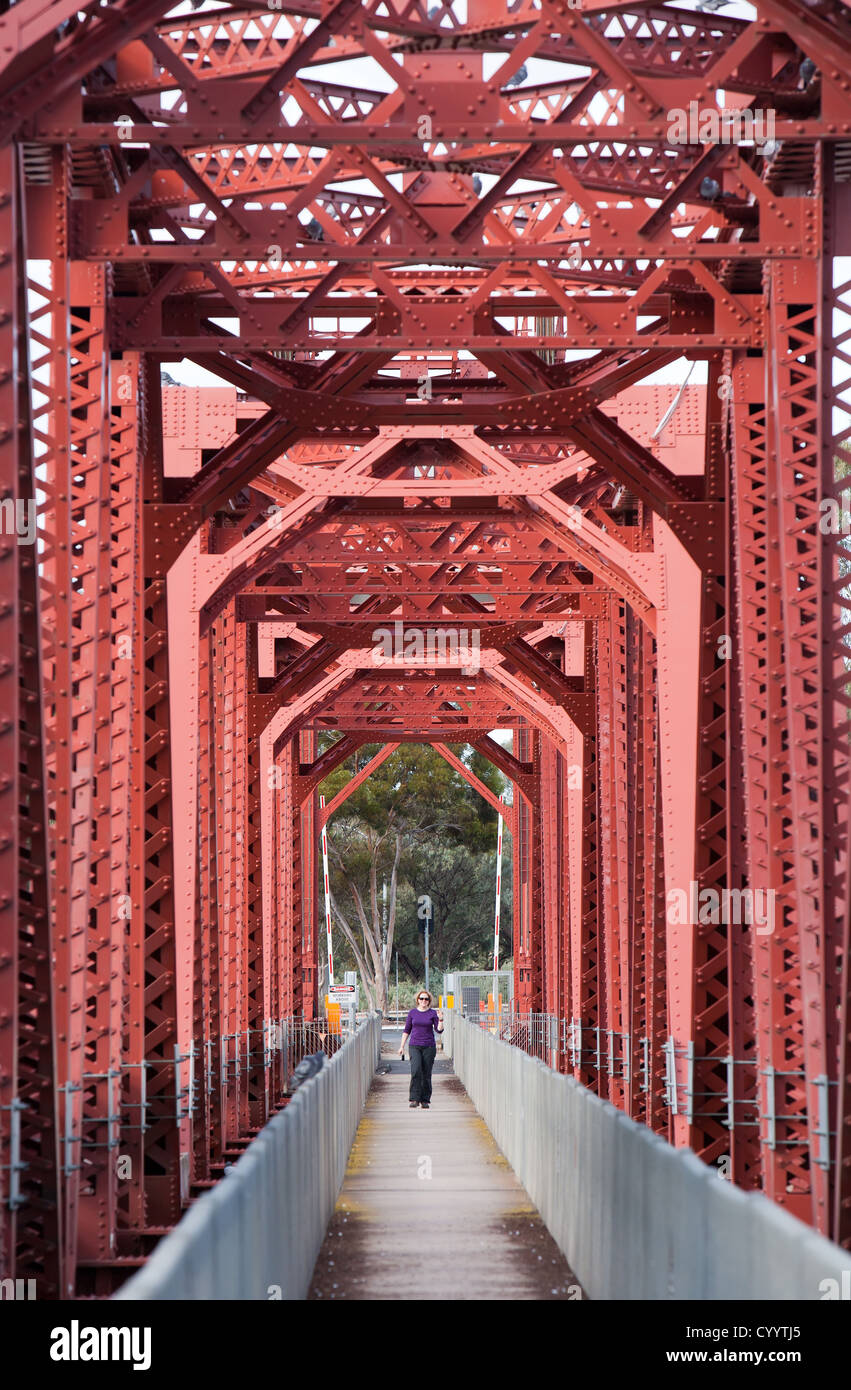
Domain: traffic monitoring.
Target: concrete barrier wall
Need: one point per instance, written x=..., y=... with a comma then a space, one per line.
x=256, y=1235
x=635, y=1217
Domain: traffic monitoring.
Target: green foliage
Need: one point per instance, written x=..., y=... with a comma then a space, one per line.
x=416, y=790
x=461, y=886
x=417, y=811
x=842, y=463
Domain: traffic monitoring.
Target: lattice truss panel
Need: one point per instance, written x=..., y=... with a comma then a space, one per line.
x=449, y=266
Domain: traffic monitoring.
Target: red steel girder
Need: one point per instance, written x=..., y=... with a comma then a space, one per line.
x=432, y=299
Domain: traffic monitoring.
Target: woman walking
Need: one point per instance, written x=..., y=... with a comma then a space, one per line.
x=421, y=1024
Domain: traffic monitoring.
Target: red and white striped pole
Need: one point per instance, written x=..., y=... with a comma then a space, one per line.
x=496, y=912
x=327, y=897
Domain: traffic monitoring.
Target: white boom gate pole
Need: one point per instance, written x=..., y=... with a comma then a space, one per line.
x=496, y=912
x=327, y=896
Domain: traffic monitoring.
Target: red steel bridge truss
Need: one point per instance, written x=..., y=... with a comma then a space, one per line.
x=438, y=258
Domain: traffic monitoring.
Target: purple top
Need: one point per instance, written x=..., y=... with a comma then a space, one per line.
x=420, y=1026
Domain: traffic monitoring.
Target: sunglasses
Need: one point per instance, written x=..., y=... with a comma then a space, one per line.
x=422, y=996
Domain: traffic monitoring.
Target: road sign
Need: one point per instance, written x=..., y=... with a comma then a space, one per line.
x=342, y=991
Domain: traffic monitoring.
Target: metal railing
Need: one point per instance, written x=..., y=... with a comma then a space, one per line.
x=635, y=1217
x=257, y=1233
x=569, y=1045
x=537, y=1034
x=295, y=1038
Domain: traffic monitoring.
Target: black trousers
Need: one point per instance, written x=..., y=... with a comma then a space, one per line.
x=422, y=1061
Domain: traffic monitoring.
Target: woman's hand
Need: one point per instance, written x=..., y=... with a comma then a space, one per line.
x=440, y=1015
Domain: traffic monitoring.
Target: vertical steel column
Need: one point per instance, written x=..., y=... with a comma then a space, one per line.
x=275, y=955
x=836, y=397
x=769, y=1107
x=253, y=846
x=568, y=858
x=800, y=479
x=228, y=758
x=694, y=753
x=527, y=885
x=127, y=435
x=312, y=1005
x=742, y=1078
x=633, y=926
x=153, y=877
x=518, y=877
x=613, y=960
x=639, y=811
x=76, y=587
x=289, y=906
x=649, y=983
x=283, y=867
x=30, y=1182
x=69, y=804
x=706, y=1109
x=208, y=1131
x=536, y=878
x=561, y=905
x=94, y=575
x=238, y=858
x=813, y=573
x=551, y=838
x=607, y=957
x=585, y=1009
x=293, y=905
x=126, y=484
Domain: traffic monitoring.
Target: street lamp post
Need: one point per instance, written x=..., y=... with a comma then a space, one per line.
x=425, y=914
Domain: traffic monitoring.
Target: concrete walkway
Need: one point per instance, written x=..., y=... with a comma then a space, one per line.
x=430, y=1209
